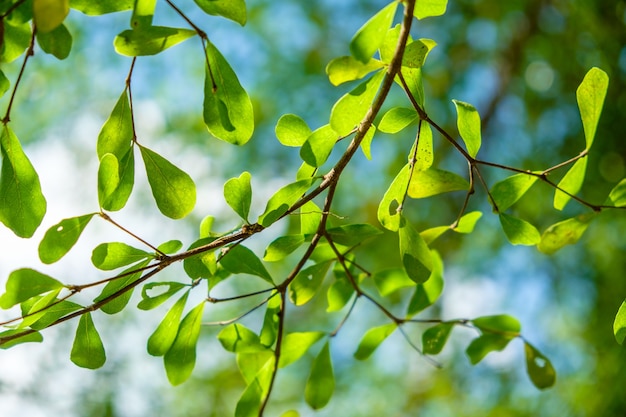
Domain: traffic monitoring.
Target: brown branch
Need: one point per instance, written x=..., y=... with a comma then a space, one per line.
x=29, y=52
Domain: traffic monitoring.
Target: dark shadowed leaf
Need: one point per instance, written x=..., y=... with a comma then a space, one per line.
x=539, y=368
x=483, y=344
x=435, y=338
x=415, y=254
x=57, y=42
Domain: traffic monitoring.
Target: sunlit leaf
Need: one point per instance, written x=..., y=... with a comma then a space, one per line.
x=4, y=83
x=108, y=256
x=396, y=119
x=228, y=112
x=291, y=130
x=295, y=345
x=509, y=190
x=290, y=413
x=518, y=231
x=250, y=364
x=39, y=308
x=22, y=204
x=282, y=200
x=372, y=339
x=238, y=194
x=484, y=344
x=389, y=281
x=171, y=246
x=468, y=123
x=366, y=142
x=173, y=189
x=57, y=42
x=49, y=14
x=424, y=157
x=202, y=265
x=338, y=295
x=619, y=325
x=53, y=312
x=25, y=283
x=590, y=96
x=116, y=180
x=149, y=40
x=539, y=368
x=502, y=324
x=95, y=8
x=307, y=282
x=390, y=208
x=87, y=350
x=427, y=293
x=27, y=338
x=347, y=68
x=435, y=338
x=415, y=254
x=143, y=12
x=241, y=260
x=571, y=182
x=435, y=181
x=163, y=336
x=231, y=9
x=180, y=359
x=416, y=52
x=433, y=233
x=116, y=134
x=427, y=8
x=310, y=216
x=318, y=146
x=321, y=382
x=250, y=401
x=350, y=109
x=617, y=197
x=269, y=331
x=119, y=284
x=16, y=40
x=566, y=232
x=467, y=222
x=353, y=234
x=61, y=237
x=239, y=339
x=369, y=37
x=150, y=300
x=282, y=246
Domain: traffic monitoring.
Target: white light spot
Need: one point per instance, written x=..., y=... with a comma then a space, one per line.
x=539, y=76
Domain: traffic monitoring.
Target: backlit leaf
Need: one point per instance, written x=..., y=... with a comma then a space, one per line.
x=435, y=181
x=172, y=188
x=350, y=109
x=4, y=83
x=27, y=338
x=467, y=222
x=617, y=197
x=502, y=324
x=282, y=200
x=282, y=246
x=115, y=180
x=250, y=401
x=566, y=232
x=483, y=344
x=149, y=40
x=150, y=301
x=571, y=182
x=424, y=157
x=427, y=293
x=228, y=112
x=366, y=142
x=416, y=52
x=22, y=204
x=390, y=208
x=238, y=194
x=347, y=68
x=61, y=237
x=372, y=339
x=291, y=130
x=352, y=234
x=590, y=97
x=239, y=339
x=518, y=231
x=96, y=8
x=539, y=368
x=396, y=119
x=307, y=282
x=427, y=8
x=16, y=40
x=55, y=311
x=241, y=260
x=202, y=265
x=338, y=295
x=164, y=335
x=143, y=12
x=369, y=37
x=112, y=287
x=321, y=383
x=25, y=283
x=49, y=14
x=116, y=134
x=108, y=256
x=231, y=9
x=87, y=350
x=250, y=364
x=468, y=123
x=57, y=42
x=180, y=359
x=295, y=345
x=435, y=338
x=269, y=331
x=310, y=216
x=388, y=281
x=509, y=190
x=415, y=255
x=318, y=146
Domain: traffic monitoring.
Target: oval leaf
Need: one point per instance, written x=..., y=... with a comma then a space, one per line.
x=590, y=97
x=295, y=345
x=241, y=260
x=397, y=119
x=239, y=339
x=61, y=237
x=108, y=256
x=435, y=338
x=369, y=37
x=321, y=383
x=483, y=344
x=24, y=284
x=49, y=14
x=282, y=200
x=282, y=246
x=566, y=232
x=318, y=146
x=87, y=350
x=468, y=123
x=518, y=231
x=415, y=254
x=291, y=130
x=234, y=10
x=539, y=368
x=427, y=8
x=149, y=40
x=372, y=339
x=180, y=359
x=435, y=181
x=163, y=336
x=57, y=42
x=307, y=282
x=347, y=68
x=506, y=192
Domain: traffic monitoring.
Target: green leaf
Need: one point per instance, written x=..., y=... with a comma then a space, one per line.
x=30, y=337
x=338, y=295
x=396, y=119
x=149, y=301
x=117, y=133
x=427, y=293
x=372, y=339
x=617, y=196
x=143, y=12
x=318, y=146
x=468, y=123
x=61, y=237
x=307, y=282
x=16, y=40
x=164, y=335
x=433, y=233
x=115, y=180
x=290, y=413
x=22, y=204
x=250, y=364
x=310, y=216
x=483, y=344
x=539, y=368
x=250, y=402
x=53, y=312
x=109, y=256
x=509, y=190
x=57, y=42
x=87, y=350
x=424, y=157
x=202, y=265
x=269, y=331
x=49, y=14
x=389, y=281
x=571, y=182
x=347, y=68
x=238, y=194
x=39, y=307
x=390, y=208
x=435, y=338
x=502, y=324
x=427, y=8
x=416, y=52
x=180, y=359
x=518, y=231
x=619, y=325
x=353, y=234
x=25, y=283
x=234, y=10
x=241, y=260
x=435, y=181
x=228, y=112
x=467, y=222
x=119, y=303
x=415, y=255
x=369, y=37
x=321, y=383
x=170, y=247
x=295, y=345
x=96, y=8
x=282, y=246
x=413, y=80
x=282, y=200
x=366, y=142
x=590, y=97
x=4, y=83
x=350, y=109
x=172, y=188
x=291, y=130
x=566, y=232
x=239, y=339
x=149, y=40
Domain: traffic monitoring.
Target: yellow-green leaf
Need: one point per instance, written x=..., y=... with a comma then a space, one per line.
x=61, y=237
x=238, y=194
x=295, y=345
x=372, y=339
x=571, y=182
x=87, y=350
x=468, y=123
x=234, y=10
x=291, y=130
x=590, y=96
x=435, y=181
x=348, y=68
x=518, y=231
x=49, y=14
x=427, y=8
x=350, y=109
x=566, y=232
x=369, y=37
x=539, y=368
x=509, y=190
x=390, y=207
x=149, y=40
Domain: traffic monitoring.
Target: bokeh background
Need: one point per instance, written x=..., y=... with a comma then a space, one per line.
x=518, y=62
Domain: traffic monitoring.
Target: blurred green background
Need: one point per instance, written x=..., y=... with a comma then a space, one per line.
x=518, y=62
